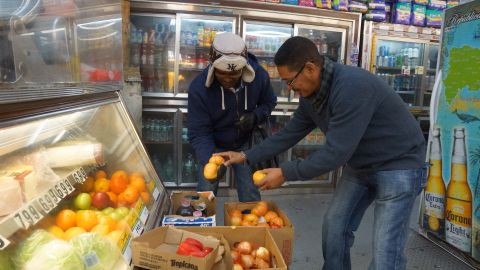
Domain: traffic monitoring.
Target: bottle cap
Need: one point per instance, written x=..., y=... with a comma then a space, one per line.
x=197, y=213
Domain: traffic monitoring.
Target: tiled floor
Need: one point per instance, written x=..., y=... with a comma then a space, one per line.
x=306, y=212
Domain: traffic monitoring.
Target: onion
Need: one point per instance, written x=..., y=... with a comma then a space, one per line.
x=244, y=247
x=247, y=261
x=260, y=264
x=237, y=267
x=263, y=254
x=235, y=256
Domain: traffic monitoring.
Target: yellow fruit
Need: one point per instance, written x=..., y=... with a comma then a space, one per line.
x=65, y=219
x=101, y=185
x=72, y=232
x=115, y=236
x=217, y=160
x=258, y=177
x=101, y=229
x=100, y=174
x=210, y=171
x=56, y=231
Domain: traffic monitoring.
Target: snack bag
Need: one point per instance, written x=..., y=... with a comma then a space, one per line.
x=289, y=2
x=327, y=4
x=437, y=4
x=306, y=3
x=375, y=15
x=433, y=18
x=355, y=6
x=418, y=15
x=402, y=13
x=341, y=5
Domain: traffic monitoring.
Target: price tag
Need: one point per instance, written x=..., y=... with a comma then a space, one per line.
x=69, y=186
x=398, y=28
x=77, y=175
x=427, y=31
x=138, y=229
x=83, y=173
x=384, y=26
x=127, y=253
x=53, y=195
x=61, y=190
x=412, y=29
x=405, y=70
x=419, y=70
x=144, y=215
x=46, y=202
x=3, y=242
x=155, y=193
x=27, y=216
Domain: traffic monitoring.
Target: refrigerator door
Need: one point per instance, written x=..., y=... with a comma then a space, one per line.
x=430, y=72
x=152, y=48
x=72, y=170
x=195, y=35
x=399, y=62
x=188, y=168
x=263, y=40
x=159, y=134
x=277, y=121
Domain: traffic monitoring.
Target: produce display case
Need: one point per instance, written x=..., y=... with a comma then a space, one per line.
x=76, y=183
x=264, y=27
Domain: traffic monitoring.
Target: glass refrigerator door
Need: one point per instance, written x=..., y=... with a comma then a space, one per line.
x=158, y=132
x=430, y=72
x=329, y=41
x=277, y=121
x=152, y=48
x=400, y=64
x=99, y=44
x=263, y=40
x=304, y=148
x=188, y=166
x=196, y=34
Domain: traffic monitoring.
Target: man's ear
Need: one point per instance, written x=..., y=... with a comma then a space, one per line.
x=312, y=69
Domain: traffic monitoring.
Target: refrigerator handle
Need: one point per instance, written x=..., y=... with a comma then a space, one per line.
x=434, y=99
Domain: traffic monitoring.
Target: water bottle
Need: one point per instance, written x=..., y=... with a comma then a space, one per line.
x=170, y=130
x=156, y=131
x=168, y=169
x=188, y=169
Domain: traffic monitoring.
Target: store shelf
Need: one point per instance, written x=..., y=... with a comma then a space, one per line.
x=34, y=211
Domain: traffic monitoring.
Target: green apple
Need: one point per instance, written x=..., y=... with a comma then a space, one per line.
x=107, y=210
x=115, y=216
x=82, y=201
x=122, y=211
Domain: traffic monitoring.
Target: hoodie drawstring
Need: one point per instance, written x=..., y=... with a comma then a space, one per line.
x=223, y=99
x=245, y=98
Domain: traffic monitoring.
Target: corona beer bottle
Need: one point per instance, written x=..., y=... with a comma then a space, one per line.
x=434, y=197
x=458, y=212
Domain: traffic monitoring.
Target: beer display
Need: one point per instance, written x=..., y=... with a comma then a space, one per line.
x=458, y=212
x=434, y=197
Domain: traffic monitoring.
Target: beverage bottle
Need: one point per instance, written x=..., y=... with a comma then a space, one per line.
x=185, y=209
x=200, y=35
x=168, y=169
x=144, y=54
x=188, y=169
x=324, y=44
x=434, y=196
x=458, y=212
x=354, y=54
x=206, y=37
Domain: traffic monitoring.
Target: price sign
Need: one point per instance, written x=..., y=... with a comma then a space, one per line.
x=138, y=229
x=144, y=215
x=155, y=193
x=69, y=186
x=83, y=174
x=61, y=190
x=398, y=28
x=419, y=70
x=27, y=216
x=412, y=29
x=78, y=177
x=3, y=242
x=384, y=26
x=46, y=202
x=405, y=70
x=53, y=195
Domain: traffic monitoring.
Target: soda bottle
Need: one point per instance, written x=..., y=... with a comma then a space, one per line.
x=434, y=196
x=458, y=212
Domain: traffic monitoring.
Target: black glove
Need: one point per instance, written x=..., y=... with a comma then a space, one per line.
x=246, y=122
x=221, y=172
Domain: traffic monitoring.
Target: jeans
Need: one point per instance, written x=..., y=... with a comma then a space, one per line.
x=394, y=194
x=246, y=190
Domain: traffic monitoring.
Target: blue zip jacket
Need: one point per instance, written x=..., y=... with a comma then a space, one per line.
x=210, y=124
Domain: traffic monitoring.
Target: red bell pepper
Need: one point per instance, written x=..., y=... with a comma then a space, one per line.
x=194, y=242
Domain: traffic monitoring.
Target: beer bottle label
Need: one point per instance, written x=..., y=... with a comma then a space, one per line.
x=434, y=204
x=458, y=224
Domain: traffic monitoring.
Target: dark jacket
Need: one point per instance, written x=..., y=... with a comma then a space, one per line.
x=366, y=124
x=210, y=126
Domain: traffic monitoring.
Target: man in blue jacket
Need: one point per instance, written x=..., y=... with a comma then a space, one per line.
x=368, y=129
x=225, y=102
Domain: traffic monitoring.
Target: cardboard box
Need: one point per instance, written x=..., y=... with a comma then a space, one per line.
x=157, y=248
x=283, y=237
x=257, y=235
x=206, y=197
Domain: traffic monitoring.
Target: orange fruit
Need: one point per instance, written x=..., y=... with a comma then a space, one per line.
x=146, y=198
x=251, y=218
x=119, y=182
x=277, y=222
x=101, y=185
x=122, y=225
x=259, y=210
x=107, y=220
x=270, y=215
x=100, y=174
x=131, y=194
x=65, y=219
x=115, y=236
x=72, y=232
x=236, y=213
x=135, y=174
x=100, y=229
x=258, y=177
x=217, y=160
x=210, y=171
x=122, y=200
x=87, y=186
x=56, y=231
x=113, y=197
x=86, y=219
x=138, y=183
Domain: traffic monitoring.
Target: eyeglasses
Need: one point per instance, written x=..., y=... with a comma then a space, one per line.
x=290, y=83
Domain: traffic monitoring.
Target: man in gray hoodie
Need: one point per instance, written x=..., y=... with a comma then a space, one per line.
x=369, y=130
